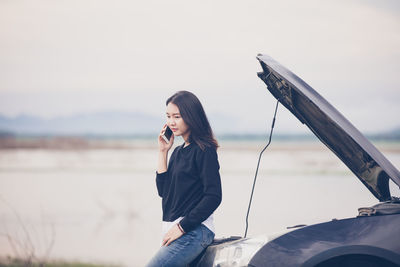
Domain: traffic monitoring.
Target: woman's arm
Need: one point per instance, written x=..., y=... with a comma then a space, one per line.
x=163, y=148
x=212, y=193
x=161, y=174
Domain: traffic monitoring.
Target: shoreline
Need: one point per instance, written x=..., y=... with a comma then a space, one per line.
x=89, y=143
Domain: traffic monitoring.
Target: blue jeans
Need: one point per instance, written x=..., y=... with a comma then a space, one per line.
x=183, y=250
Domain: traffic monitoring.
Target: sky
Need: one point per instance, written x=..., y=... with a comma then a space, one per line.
x=64, y=57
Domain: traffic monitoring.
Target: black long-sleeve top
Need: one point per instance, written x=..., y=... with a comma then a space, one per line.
x=191, y=187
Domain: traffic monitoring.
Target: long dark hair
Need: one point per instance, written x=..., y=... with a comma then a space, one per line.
x=193, y=115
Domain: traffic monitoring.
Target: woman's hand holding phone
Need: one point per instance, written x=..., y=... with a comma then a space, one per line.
x=163, y=145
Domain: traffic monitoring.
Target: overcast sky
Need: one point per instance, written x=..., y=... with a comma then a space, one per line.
x=72, y=56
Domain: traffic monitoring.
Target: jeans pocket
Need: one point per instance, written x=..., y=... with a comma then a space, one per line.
x=208, y=236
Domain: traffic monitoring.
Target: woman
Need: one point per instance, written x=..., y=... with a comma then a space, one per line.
x=190, y=187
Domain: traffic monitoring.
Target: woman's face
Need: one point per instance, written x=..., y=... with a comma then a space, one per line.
x=175, y=121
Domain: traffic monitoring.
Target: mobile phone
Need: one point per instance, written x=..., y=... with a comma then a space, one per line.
x=167, y=134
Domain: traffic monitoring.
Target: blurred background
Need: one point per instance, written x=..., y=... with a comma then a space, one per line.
x=83, y=86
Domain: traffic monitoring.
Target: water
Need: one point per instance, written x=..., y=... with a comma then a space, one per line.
x=101, y=205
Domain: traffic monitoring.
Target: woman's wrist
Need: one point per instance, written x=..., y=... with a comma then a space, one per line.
x=163, y=152
x=162, y=162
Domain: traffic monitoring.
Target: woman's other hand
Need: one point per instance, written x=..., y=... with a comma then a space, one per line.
x=162, y=144
x=173, y=234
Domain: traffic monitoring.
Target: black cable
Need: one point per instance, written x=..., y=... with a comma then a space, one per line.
x=258, y=164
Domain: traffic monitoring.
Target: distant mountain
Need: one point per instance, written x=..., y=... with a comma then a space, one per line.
x=118, y=123
x=100, y=123
x=396, y=131
x=390, y=135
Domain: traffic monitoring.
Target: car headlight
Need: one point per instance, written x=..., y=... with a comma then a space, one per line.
x=239, y=253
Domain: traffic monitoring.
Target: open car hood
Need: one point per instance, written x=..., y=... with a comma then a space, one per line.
x=331, y=127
